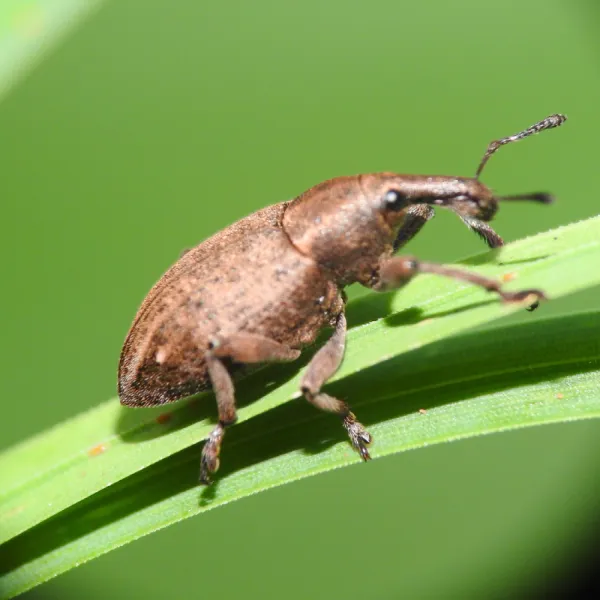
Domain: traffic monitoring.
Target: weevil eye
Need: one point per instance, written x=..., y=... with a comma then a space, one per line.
x=394, y=200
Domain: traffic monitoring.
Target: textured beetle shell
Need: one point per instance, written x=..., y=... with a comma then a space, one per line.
x=247, y=278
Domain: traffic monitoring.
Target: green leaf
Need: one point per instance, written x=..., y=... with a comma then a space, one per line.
x=470, y=385
x=505, y=379
x=28, y=28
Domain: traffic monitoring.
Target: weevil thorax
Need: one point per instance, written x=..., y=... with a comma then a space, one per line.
x=345, y=225
x=348, y=224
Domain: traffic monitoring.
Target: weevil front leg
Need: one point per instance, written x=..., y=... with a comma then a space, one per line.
x=416, y=217
x=399, y=270
x=242, y=348
x=322, y=366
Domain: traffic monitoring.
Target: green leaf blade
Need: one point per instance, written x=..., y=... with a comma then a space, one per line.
x=461, y=400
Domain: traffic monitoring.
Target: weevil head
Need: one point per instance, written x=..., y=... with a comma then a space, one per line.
x=467, y=197
x=349, y=224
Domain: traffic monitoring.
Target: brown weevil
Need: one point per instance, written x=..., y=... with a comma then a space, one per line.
x=264, y=287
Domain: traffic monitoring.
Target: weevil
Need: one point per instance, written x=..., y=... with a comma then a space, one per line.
x=262, y=289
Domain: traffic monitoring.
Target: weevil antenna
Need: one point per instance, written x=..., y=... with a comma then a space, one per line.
x=548, y=123
x=541, y=197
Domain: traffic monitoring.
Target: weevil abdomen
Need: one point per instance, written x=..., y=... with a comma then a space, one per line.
x=248, y=278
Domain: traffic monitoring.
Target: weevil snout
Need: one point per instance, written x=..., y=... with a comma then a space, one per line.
x=468, y=198
x=485, y=205
x=483, y=209
x=418, y=195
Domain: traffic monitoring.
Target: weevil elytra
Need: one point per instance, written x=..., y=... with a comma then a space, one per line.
x=261, y=289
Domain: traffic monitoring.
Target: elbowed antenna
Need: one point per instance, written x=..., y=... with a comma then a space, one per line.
x=548, y=123
x=541, y=197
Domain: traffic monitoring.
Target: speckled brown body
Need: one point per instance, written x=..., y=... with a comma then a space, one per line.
x=248, y=277
x=264, y=287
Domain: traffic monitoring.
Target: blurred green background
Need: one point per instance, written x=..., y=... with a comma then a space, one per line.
x=152, y=125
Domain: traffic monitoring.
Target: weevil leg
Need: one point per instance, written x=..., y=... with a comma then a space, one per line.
x=484, y=231
x=223, y=388
x=243, y=348
x=399, y=270
x=252, y=348
x=322, y=366
x=418, y=214
x=416, y=217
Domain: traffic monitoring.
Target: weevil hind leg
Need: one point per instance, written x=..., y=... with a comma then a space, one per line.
x=223, y=388
x=242, y=348
x=322, y=366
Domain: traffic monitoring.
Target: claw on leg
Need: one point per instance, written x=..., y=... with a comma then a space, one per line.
x=531, y=297
x=209, y=461
x=359, y=436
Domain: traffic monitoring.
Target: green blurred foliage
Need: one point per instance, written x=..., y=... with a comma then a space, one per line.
x=156, y=124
